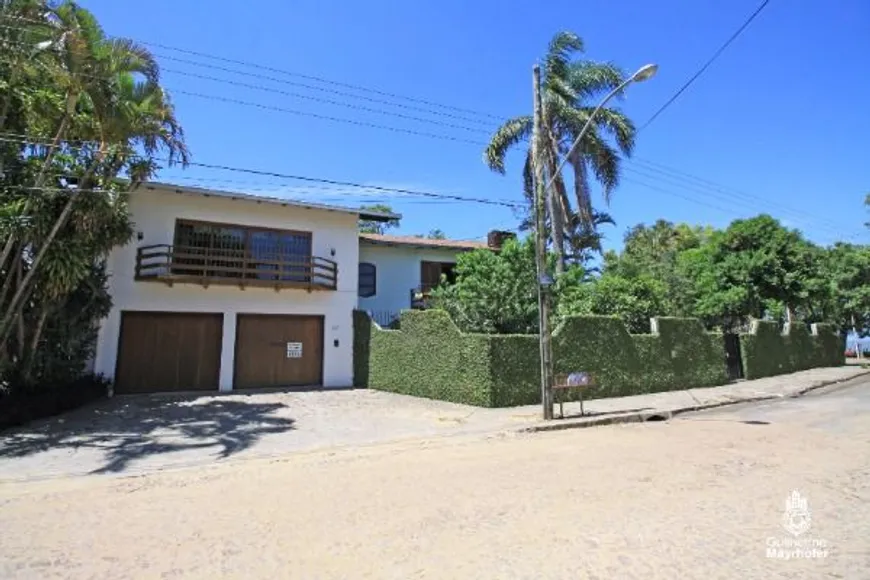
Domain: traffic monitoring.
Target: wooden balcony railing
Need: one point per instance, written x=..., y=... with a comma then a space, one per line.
x=193, y=265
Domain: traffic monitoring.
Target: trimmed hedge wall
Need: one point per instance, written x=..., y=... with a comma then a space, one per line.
x=429, y=357
x=767, y=351
x=681, y=355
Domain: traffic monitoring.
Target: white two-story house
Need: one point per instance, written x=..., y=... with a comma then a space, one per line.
x=225, y=291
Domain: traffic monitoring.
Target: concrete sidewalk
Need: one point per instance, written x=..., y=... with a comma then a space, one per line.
x=662, y=406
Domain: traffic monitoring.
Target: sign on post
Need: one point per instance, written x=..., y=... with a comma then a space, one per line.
x=294, y=350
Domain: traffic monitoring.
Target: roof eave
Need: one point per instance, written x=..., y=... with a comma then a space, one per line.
x=233, y=195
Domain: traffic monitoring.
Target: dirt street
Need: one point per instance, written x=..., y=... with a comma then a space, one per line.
x=700, y=497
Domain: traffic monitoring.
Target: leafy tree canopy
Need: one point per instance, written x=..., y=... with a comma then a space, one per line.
x=755, y=268
x=90, y=110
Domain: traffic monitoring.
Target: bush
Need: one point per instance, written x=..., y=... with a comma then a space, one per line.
x=767, y=351
x=430, y=357
x=20, y=406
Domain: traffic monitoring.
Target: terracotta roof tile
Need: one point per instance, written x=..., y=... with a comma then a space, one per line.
x=387, y=240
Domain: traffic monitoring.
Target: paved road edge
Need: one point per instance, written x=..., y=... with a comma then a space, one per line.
x=666, y=414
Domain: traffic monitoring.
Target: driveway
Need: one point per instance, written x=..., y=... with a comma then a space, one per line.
x=131, y=434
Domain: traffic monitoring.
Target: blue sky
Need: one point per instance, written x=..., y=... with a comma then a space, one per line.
x=779, y=123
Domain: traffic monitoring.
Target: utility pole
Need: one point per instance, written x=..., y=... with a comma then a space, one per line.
x=543, y=278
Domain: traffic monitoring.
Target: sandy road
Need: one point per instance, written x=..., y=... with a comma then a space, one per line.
x=695, y=498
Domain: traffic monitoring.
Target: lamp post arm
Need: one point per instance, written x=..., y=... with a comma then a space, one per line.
x=585, y=128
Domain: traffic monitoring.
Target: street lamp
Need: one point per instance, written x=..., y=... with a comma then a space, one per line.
x=544, y=280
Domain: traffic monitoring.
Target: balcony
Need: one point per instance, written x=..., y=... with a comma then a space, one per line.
x=234, y=267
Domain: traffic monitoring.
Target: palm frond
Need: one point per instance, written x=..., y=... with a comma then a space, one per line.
x=619, y=125
x=512, y=132
x=125, y=55
x=590, y=79
x=605, y=163
x=558, y=91
x=562, y=46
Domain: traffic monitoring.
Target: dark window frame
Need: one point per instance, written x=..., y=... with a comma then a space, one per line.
x=373, y=274
x=249, y=252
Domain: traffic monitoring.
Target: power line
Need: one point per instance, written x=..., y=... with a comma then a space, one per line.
x=307, y=77
x=731, y=193
x=323, y=89
x=320, y=79
x=304, y=96
x=512, y=205
x=729, y=210
x=324, y=117
x=712, y=59
x=727, y=198
x=685, y=197
x=328, y=117
x=328, y=101
x=691, y=80
x=26, y=141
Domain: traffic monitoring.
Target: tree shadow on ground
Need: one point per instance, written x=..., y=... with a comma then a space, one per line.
x=127, y=429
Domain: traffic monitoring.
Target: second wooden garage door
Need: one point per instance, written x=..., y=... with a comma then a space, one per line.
x=278, y=351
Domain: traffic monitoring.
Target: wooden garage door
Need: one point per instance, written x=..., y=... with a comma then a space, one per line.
x=278, y=351
x=168, y=351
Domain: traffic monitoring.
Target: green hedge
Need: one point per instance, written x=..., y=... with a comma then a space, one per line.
x=767, y=351
x=428, y=356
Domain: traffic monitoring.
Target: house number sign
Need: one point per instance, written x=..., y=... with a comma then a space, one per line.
x=294, y=350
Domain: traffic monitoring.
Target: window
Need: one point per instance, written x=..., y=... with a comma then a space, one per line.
x=431, y=272
x=236, y=251
x=368, y=280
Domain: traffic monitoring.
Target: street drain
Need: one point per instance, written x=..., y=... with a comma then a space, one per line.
x=649, y=418
x=755, y=422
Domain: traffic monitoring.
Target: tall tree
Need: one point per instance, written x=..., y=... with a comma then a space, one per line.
x=570, y=91
x=753, y=269
x=91, y=110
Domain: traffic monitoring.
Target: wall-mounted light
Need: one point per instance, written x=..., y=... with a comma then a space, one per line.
x=332, y=252
x=140, y=236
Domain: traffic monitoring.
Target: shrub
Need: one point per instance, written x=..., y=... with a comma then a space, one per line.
x=430, y=357
x=767, y=351
x=20, y=406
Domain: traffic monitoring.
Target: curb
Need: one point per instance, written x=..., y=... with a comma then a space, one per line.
x=668, y=414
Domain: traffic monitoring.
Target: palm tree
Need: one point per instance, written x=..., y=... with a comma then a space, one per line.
x=569, y=91
x=114, y=85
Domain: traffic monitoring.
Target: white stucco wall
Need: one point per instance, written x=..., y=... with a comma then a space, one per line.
x=398, y=270
x=155, y=212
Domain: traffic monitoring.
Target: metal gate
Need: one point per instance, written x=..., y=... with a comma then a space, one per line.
x=733, y=360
